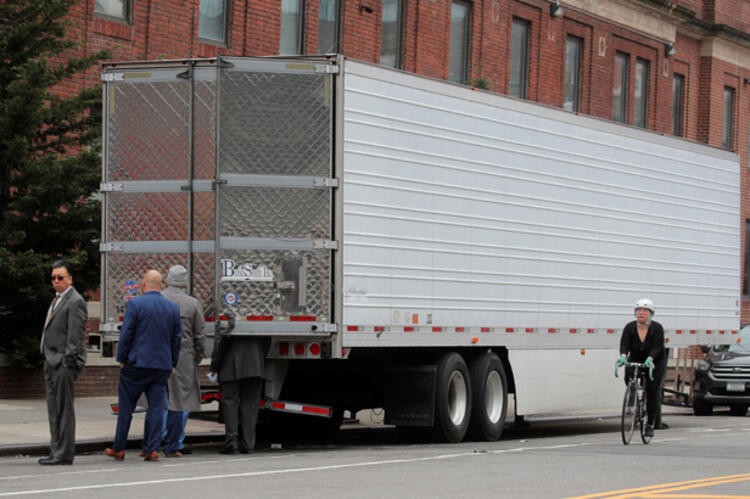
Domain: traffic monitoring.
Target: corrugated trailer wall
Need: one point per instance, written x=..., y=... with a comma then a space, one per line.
x=471, y=212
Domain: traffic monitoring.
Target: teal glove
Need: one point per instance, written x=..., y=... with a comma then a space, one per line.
x=620, y=362
x=650, y=364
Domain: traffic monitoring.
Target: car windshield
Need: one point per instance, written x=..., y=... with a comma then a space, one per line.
x=742, y=346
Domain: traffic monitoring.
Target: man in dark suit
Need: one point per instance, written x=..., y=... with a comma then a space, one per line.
x=64, y=357
x=147, y=351
x=239, y=362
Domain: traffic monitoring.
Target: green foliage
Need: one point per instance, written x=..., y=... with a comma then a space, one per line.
x=49, y=169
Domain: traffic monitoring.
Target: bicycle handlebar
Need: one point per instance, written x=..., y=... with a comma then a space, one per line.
x=638, y=366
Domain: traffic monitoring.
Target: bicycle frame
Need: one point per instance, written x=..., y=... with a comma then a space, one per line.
x=634, y=404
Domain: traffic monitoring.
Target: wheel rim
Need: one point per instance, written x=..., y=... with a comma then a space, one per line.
x=493, y=397
x=457, y=398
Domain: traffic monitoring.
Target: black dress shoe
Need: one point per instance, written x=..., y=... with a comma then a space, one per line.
x=53, y=461
x=230, y=449
x=186, y=450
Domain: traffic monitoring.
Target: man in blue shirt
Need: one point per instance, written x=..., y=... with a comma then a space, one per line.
x=147, y=351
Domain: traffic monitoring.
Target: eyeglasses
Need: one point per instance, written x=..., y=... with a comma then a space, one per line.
x=58, y=277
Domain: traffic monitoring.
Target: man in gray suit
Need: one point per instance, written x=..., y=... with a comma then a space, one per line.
x=184, y=389
x=239, y=362
x=64, y=358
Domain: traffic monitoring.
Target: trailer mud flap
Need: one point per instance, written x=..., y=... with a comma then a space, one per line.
x=410, y=396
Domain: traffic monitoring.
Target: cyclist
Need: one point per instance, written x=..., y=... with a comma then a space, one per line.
x=642, y=341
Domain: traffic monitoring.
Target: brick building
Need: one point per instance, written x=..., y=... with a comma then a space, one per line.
x=677, y=67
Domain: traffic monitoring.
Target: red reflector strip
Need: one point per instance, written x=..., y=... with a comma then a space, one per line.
x=709, y=332
x=210, y=397
x=692, y=331
x=509, y=330
x=379, y=329
x=302, y=318
x=551, y=330
x=259, y=317
x=573, y=331
x=721, y=332
x=352, y=329
x=734, y=332
x=484, y=330
x=460, y=330
x=529, y=330
x=408, y=329
x=210, y=318
x=437, y=329
x=678, y=331
x=610, y=331
x=591, y=331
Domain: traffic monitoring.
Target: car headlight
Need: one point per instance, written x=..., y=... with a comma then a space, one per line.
x=702, y=365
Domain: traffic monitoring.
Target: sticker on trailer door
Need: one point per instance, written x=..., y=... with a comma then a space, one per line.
x=231, y=298
x=230, y=271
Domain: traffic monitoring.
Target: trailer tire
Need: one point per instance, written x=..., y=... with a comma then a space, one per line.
x=489, y=389
x=452, y=399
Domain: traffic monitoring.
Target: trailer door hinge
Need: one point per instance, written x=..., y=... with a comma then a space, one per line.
x=325, y=244
x=111, y=247
x=327, y=68
x=111, y=187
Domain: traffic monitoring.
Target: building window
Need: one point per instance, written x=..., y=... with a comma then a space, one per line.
x=746, y=274
x=727, y=127
x=620, y=88
x=678, y=104
x=390, y=43
x=572, y=85
x=116, y=9
x=458, y=69
x=328, y=27
x=519, y=58
x=212, y=24
x=640, y=94
x=292, y=23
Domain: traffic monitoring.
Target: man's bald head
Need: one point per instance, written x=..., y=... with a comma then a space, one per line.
x=152, y=281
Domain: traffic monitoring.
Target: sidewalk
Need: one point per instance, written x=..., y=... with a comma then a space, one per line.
x=24, y=428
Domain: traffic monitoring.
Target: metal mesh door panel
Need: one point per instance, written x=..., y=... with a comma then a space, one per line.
x=275, y=212
x=275, y=123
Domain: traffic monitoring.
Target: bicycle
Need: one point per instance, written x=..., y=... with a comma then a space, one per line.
x=634, y=404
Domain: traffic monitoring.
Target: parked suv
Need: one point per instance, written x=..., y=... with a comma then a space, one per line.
x=723, y=377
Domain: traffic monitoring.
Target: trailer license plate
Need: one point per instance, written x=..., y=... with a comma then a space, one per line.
x=735, y=387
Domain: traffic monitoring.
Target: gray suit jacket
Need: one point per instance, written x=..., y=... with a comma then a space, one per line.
x=65, y=332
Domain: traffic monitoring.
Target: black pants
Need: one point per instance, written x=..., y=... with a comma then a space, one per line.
x=240, y=401
x=653, y=389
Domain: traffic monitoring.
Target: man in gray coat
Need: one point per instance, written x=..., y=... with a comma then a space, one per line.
x=64, y=357
x=184, y=388
x=239, y=362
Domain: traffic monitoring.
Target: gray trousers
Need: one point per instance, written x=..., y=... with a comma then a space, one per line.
x=59, y=382
x=240, y=401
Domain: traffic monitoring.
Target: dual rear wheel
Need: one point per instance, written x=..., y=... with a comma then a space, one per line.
x=470, y=399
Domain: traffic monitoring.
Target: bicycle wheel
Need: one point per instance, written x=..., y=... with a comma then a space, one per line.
x=643, y=415
x=629, y=413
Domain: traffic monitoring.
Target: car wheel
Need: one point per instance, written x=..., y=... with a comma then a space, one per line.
x=702, y=408
x=738, y=410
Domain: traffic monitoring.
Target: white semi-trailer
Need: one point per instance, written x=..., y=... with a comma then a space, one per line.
x=408, y=243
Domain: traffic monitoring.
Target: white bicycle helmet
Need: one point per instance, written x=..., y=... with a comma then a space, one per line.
x=644, y=303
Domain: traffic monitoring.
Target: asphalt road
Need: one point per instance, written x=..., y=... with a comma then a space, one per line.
x=696, y=457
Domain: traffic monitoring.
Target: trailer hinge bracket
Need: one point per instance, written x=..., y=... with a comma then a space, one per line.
x=111, y=247
x=326, y=68
x=325, y=182
x=111, y=187
x=325, y=244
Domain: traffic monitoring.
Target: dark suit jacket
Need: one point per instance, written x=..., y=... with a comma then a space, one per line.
x=65, y=332
x=151, y=332
x=238, y=357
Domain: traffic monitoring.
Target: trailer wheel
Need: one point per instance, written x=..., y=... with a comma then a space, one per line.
x=489, y=389
x=452, y=399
